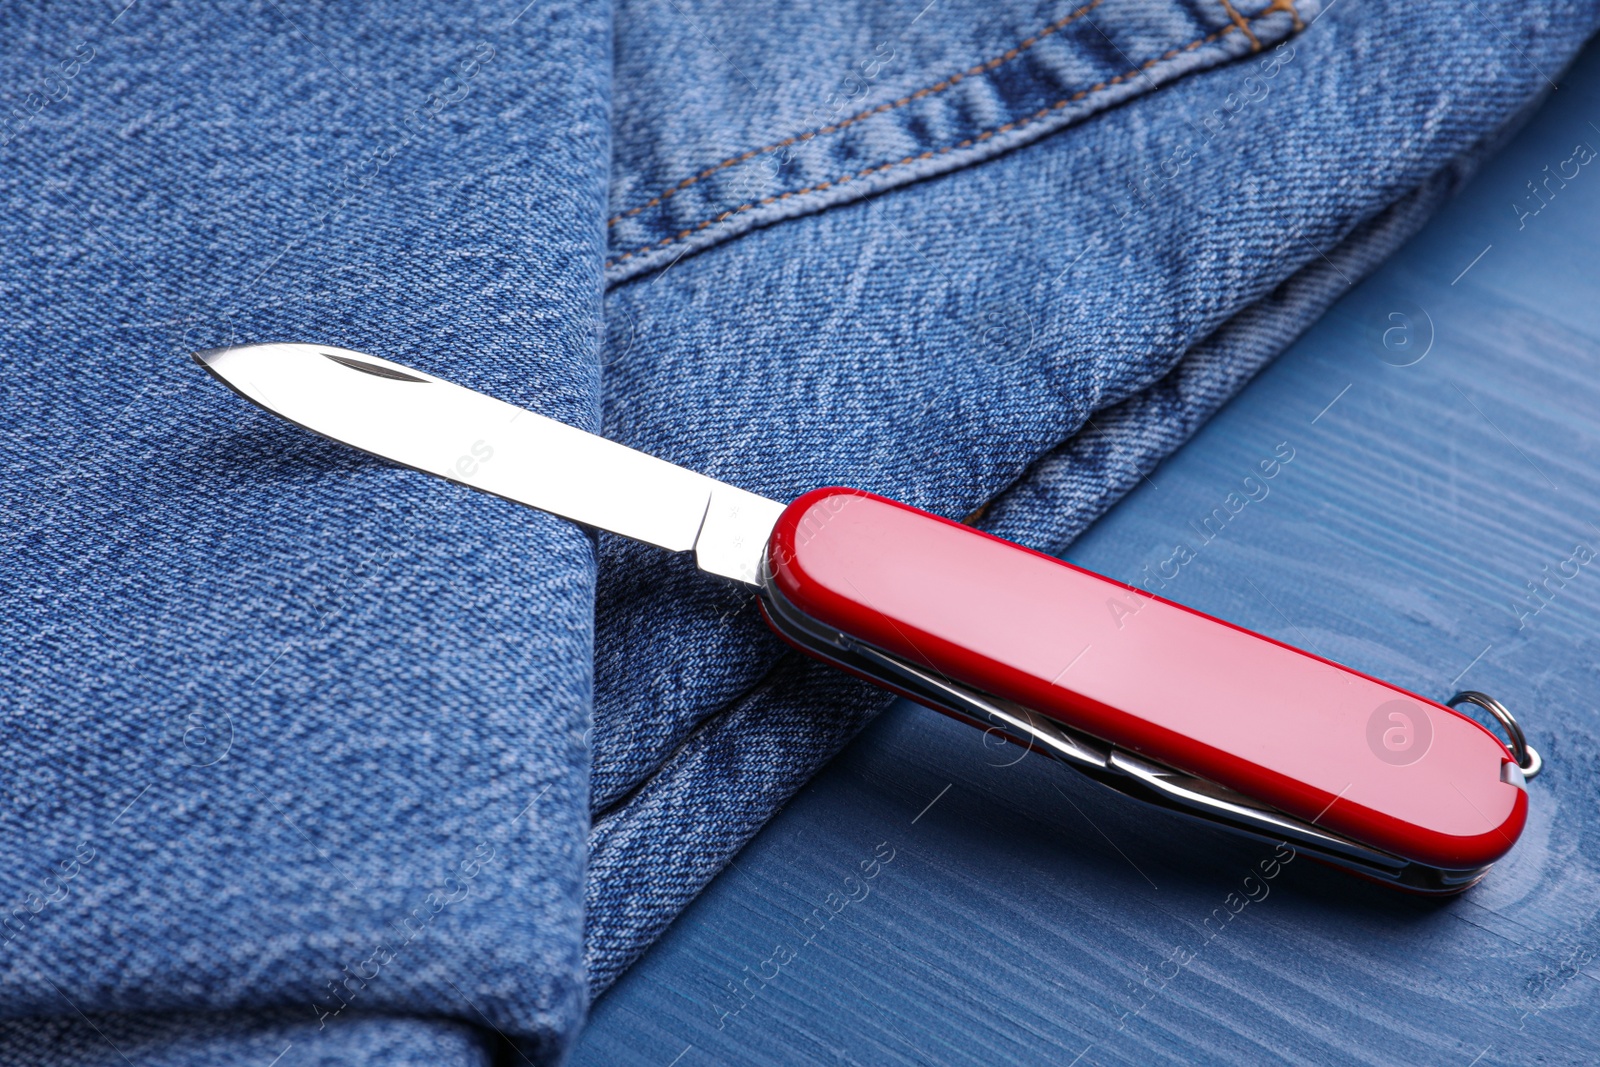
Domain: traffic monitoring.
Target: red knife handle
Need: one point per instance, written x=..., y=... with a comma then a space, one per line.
x=1319, y=741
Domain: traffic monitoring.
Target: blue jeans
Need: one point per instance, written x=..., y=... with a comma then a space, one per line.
x=308, y=757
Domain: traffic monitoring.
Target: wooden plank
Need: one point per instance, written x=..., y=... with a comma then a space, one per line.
x=932, y=899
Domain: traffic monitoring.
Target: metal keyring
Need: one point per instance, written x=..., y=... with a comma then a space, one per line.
x=1526, y=757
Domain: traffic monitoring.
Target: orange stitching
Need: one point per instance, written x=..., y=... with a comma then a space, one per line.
x=1255, y=45
x=948, y=83
x=1015, y=125
x=1285, y=5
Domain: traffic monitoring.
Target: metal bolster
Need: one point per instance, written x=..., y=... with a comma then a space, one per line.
x=1133, y=776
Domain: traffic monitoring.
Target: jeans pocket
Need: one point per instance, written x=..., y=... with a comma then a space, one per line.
x=748, y=124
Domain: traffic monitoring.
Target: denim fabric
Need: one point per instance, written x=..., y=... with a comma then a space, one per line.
x=259, y=1038
x=1031, y=333
x=819, y=104
x=297, y=746
x=284, y=728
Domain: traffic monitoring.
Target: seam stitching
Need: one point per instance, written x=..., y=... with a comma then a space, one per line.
x=949, y=83
x=1289, y=6
x=1244, y=27
x=1016, y=124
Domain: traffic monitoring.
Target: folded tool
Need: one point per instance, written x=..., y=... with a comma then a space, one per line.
x=1151, y=698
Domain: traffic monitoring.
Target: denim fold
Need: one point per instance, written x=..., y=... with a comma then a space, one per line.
x=290, y=733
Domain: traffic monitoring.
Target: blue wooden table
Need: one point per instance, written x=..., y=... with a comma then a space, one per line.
x=935, y=899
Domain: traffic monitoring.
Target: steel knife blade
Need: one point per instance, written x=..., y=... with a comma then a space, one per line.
x=440, y=428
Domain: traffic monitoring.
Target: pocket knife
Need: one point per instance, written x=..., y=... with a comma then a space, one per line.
x=1158, y=701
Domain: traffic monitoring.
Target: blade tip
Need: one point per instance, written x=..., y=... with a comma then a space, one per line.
x=208, y=357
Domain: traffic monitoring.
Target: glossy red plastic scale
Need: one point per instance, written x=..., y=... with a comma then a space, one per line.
x=1330, y=746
